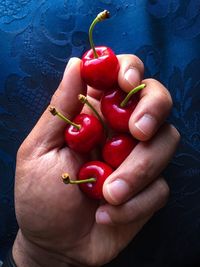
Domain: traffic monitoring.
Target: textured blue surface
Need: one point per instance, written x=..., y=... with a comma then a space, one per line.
x=38, y=38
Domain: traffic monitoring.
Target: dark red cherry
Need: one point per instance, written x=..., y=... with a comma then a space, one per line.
x=90, y=133
x=100, y=65
x=117, y=107
x=83, y=133
x=97, y=170
x=117, y=148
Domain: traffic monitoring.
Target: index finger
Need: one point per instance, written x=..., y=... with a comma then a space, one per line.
x=154, y=103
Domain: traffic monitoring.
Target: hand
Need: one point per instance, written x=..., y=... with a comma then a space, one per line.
x=58, y=224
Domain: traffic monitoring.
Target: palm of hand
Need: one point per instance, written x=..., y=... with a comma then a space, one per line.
x=60, y=217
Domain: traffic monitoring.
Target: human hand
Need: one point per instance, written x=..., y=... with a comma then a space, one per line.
x=59, y=225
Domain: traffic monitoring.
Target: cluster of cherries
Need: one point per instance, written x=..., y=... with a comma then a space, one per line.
x=99, y=69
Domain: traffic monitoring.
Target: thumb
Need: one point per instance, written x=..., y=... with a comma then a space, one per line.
x=48, y=132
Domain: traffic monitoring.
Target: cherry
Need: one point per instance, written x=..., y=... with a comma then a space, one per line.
x=84, y=133
x=117, y=107
x=91, y=177
x=117, y=148
x=100, y=65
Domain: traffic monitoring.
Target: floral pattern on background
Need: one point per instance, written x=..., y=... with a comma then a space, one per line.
x=37, y=40
x=183, y=15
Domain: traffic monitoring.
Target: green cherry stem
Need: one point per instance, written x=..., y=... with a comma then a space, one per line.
x=132, y=92
x=66, y=179
x=54, y=112
x=84, y=100
x=100, y=17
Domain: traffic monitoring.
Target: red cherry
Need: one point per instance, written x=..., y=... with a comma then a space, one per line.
x=100, y=65
x=90, y=134
x=117, y=148
x=102, y=72
x=116, y=116
x=83, y=133
x=117, y=107
x=97, y=170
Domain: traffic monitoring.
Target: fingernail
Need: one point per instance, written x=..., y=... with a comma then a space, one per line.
x=103, y=217
x=117, y=191
x=132, y=76
x=70, y=62
x=146, y=124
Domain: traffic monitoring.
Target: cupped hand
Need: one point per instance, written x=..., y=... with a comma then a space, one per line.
x=58, y=224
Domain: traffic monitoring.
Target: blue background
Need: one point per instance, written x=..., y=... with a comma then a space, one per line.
x=37, y=38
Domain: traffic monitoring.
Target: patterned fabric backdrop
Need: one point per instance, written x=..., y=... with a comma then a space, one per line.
x=37, y=38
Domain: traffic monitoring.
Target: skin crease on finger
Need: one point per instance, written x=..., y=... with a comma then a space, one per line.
x=151, y=199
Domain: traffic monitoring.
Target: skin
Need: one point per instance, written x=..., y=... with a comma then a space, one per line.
x=60, y=226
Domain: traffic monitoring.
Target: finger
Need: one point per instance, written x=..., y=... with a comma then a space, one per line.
x=48, y=132
x=144, y=163
x=152, y=110
x=146, y=203
x=131, y=72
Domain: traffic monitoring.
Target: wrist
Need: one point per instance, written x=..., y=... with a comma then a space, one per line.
x=26, y=253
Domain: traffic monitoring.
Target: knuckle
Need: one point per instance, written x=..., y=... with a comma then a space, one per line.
x=142, y=170
x=25, y=150
x=160, y=94
x=20, y=152
x=175, y=133
x=134, y=211
x=18, y=155
x=163, y=190
x=126, y=213
x=165, y=100
x=132, y=61
x=55, y=98
x=138, y=62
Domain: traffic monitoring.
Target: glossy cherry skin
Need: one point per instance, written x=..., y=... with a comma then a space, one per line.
x=94, y=169
x=118, y=117
x=87, y=137
x=117, y=148
x=102, y=72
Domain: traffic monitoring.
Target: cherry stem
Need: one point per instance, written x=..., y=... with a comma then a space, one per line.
x=100, y=17
x=84, y=100
x=132, y=92
x=66, y=179
x=54, y=112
